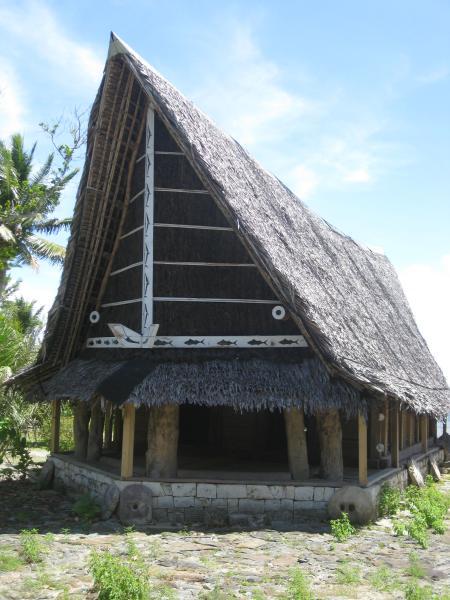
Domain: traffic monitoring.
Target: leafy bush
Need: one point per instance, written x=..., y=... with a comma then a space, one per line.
x=388, y=501
x=115, y=579
x=299, y=587
x=341, y=528
x=31, y=547
x=87, y=508
x=414, y=591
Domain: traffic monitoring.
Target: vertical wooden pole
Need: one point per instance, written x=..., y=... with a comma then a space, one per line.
x=296, y=442
x=424, y=432
x=386, y=426
x=129, y=416
x=401, y=430
x=432, y=428
x=411, y=428
x=108, y=426
x=395, y=451
x=95, y=438
x=162, y=441
x=81, y=415
x=56, y=426
x=330, y=439
x=362, y=450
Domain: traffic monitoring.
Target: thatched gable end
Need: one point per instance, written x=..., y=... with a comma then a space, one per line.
x=345, y=299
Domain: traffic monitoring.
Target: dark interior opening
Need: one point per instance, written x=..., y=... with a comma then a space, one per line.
x=223, y=439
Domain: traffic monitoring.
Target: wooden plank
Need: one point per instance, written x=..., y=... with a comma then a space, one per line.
x=149, y=209
x=296, y=443
x=432, y=428
x=137, y=264
x=395, y=451
x=202, y=264
x=56, y=426
x=206, y=227
x=412, y=429
x=129, y=416
x=386, y=426
x=178, y=191
x=230, y=300
x=424, y=432
x=362, y=450
x=136, y=196
x=135, y=230
x=196, y=341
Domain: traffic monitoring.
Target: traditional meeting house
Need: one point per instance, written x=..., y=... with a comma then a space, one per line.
x=220, y=344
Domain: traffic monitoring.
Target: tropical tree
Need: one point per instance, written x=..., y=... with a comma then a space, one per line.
x=27, y=200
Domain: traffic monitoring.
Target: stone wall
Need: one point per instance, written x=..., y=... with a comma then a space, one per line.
x=214, y=503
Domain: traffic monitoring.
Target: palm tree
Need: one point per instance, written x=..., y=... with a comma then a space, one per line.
x=27, y=199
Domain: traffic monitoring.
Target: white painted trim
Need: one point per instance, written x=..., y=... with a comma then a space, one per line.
x=196, y=341
x=131, y=232
x=140, y=158
x=206, y=227
x=138, y=264
x=201, y=264
x=147, y=269
x=136, y=196
x=121, y=302
x=227, y=300
x=170, y=153
x=158, y=189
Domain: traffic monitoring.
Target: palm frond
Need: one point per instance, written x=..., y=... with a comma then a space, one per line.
x=6, y=235
x=42, y=248
x=43, y=171
x=52, y=225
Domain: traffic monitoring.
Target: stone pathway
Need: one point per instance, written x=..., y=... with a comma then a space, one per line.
x=214, y=565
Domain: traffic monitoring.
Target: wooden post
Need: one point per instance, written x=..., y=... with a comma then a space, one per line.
x=81, y=414
x=56, y=426
x=162, y=437
x=432, y=428
x=330, y=439
x=401, y=429
x=108, y=426
x=362, y=450
x=424, y=432
x=395, y=451
x=296, y=443
x=412, y=428
x=386, y=426
x=374, y=434
x=118, y=428
x=129, y=417
x=95, y=439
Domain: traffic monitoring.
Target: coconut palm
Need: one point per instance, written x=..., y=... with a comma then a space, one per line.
x=27, y=199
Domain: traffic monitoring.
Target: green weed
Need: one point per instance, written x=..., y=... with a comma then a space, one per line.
x=116, y=579
x=414, y=591
x=9, y=562
x=415, y=568
x=384, y=580
x=388, y=501
x=347, y=574
x=31, y=546
x=341, y=528
x=86, y=508
x=299, y=587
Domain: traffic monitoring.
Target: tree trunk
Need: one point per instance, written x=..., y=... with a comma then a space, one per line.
x=296, y=443
x=95, y=440
x=81, y=414
x=330, y=439
x=162, y=436
x=108, y=426
x=117, y=430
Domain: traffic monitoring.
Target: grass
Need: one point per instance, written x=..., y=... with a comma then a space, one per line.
x=9, y=561
x=347, y=574
x=86, y=508
x=383, y=579
x=341, y=528
x=31, y=546
x=116, y=578
x=388, y=501
x=415, y=568
x=299, y=587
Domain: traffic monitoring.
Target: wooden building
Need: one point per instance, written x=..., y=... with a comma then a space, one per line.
x=209, y=325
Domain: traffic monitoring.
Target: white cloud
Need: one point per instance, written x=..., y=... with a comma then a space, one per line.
x=358, y=175
x=427, y=287
x=303, y=181
x=12, y=109
x=35, y=27
x=40, y=286
x=434, y=75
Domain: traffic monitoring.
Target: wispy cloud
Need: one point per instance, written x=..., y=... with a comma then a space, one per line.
x=36, y=29
x=12, y=107
x=434, y=75
x=427, y=287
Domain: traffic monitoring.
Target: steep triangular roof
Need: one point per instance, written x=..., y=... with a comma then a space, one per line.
x=346, y=299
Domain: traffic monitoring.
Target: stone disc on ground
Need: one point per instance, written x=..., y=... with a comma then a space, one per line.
x=135, y=506
x=358, y=503
x=45, y=477
x=110, y=501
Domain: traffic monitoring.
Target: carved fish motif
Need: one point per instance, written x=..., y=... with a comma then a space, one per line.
x=226, y=343
x=287, y=342
x=257, y=343
x=191, y=342
x=162, y=343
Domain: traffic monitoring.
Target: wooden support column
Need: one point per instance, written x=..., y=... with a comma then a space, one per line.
x=432, y=428
x=412, y=428
x=362, y=450
x=330, y=439
x=386, y=426
x=118, y=428
x=108, y=426
x=95, y=439
x=56, y=426
x=129, y=417
x=81, y=414
x=424, y=432
x=296, y=443
x=395, y=450
x=162, y=437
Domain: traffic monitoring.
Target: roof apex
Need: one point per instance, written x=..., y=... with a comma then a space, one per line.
x=117, y=46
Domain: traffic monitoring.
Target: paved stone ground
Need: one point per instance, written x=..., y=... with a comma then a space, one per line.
x=214, y=565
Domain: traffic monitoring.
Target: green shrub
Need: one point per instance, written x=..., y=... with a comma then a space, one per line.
x=341, y=528
x=116, y=579
x=9, y=561
x=298, y=587
x=347, y=574
x=31, y=547
x=384, y=579
x=388, y=501
x=415, y=568
x=414, y=591
x=86, y=508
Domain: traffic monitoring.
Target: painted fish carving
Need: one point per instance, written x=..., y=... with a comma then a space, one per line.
x=227, y=343
x=287, y=342
x=163, y=343
x=191, y=342
x=257, y=343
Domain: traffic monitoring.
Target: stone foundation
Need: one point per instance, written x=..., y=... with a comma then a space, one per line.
x=184, y=502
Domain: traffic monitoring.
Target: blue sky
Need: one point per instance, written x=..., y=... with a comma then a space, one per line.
x=347, y=102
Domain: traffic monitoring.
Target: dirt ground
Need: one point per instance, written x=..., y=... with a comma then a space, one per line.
x=212, y=564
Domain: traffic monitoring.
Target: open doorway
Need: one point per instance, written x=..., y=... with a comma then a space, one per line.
x=222, y=443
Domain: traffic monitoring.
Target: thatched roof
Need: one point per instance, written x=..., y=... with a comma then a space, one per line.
x=346, y=299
